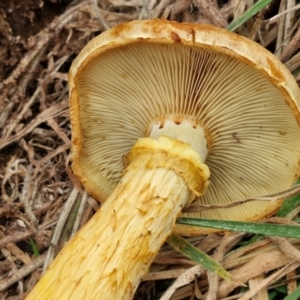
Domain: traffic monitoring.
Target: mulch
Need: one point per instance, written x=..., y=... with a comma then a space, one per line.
x=41, y=202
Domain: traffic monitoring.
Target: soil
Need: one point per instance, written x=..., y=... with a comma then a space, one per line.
x=20, y=20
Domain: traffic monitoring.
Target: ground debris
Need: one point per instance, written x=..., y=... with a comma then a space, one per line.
x=38, y=42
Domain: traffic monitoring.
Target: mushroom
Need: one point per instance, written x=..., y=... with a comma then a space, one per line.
x=177, y=102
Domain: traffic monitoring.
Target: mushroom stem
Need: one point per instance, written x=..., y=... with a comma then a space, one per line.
x=109, y=255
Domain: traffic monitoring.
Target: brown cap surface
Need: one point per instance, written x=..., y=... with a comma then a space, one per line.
x=144, y=72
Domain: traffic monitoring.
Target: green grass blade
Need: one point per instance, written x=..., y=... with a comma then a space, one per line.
x=257, y=7
x=289, y=204
x=295, y=295
x=257, y=228
x=34, y=247
x=197, y=256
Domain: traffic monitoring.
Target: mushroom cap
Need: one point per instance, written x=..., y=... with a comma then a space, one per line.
x=144, y=72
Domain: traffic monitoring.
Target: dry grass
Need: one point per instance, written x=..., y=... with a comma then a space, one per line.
x=42, y=200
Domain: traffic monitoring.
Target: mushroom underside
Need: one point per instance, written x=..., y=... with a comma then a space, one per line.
x=251, y=133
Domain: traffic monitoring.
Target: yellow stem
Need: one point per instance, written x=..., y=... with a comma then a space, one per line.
x=108, y=257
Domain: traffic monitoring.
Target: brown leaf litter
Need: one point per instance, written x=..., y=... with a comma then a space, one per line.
x=42, y=200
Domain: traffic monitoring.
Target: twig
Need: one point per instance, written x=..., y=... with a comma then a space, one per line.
x=274, y=19
x=262, y=293
x=285, y=246
x=281, y=31
x=6, y=112
x=286, y=269
x=258, y=264
x=56, y=128
x=274, y=197
x=293, y=63
x=79, y=213
x=184, y=279
x=16, y=237
x=59, y=227
x=15, y=271
x=21, y=273
x=210, y=11
x=52, y=154
x=26, y=192
x=152, y=276
x=291, y=47
x=226, y=244
x=51, y=111
x=101, y=19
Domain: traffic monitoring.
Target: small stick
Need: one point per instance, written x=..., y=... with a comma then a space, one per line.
x=26, y=270
x=101, y=19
